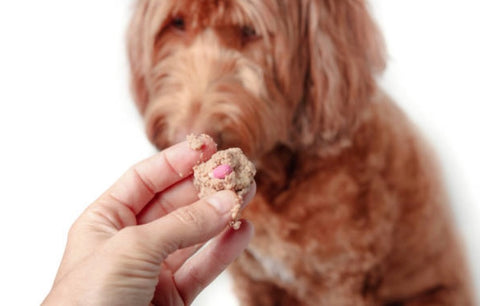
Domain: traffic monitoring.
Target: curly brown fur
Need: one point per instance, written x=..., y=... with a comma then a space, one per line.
x=350, y=209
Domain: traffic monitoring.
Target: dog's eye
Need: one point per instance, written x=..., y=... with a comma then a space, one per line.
x=248, y=34
x=178, y=23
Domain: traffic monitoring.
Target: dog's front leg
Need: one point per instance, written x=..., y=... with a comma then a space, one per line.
x=252, y=292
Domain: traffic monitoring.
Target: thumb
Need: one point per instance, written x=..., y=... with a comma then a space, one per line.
x=184, y=227
x=193, y=224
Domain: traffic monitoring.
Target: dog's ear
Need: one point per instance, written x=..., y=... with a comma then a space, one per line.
x=136, y=54
x=345, y=52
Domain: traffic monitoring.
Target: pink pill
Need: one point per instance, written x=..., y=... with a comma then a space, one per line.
x=222, y=171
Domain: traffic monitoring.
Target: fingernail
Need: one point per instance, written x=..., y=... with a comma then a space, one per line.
x=222, y=201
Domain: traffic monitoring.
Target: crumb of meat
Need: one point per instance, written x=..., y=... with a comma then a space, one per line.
x=236, y=224
x=236, y=211
x=197, y=142
x=238, y=180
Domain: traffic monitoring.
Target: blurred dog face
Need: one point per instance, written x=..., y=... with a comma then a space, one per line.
x=241, y=71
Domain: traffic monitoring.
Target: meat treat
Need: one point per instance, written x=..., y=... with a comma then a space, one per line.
x=228, y=169
x=197, y=142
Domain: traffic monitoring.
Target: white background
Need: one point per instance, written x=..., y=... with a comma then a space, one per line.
x=68, y=127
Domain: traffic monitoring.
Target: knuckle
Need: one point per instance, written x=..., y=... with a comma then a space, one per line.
x=190, y=217
x=166, y=204
x=143, y=180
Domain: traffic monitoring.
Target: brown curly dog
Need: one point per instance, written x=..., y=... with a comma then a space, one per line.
x=350, y=208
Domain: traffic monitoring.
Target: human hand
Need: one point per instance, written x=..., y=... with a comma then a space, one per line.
x=130, y=247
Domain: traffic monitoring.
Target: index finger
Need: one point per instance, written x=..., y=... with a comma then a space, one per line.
x=142, y=181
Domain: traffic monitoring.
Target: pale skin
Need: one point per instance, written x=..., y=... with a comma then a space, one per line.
x=130, y=247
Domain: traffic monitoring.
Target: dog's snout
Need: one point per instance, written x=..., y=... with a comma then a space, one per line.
x=180, y=135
